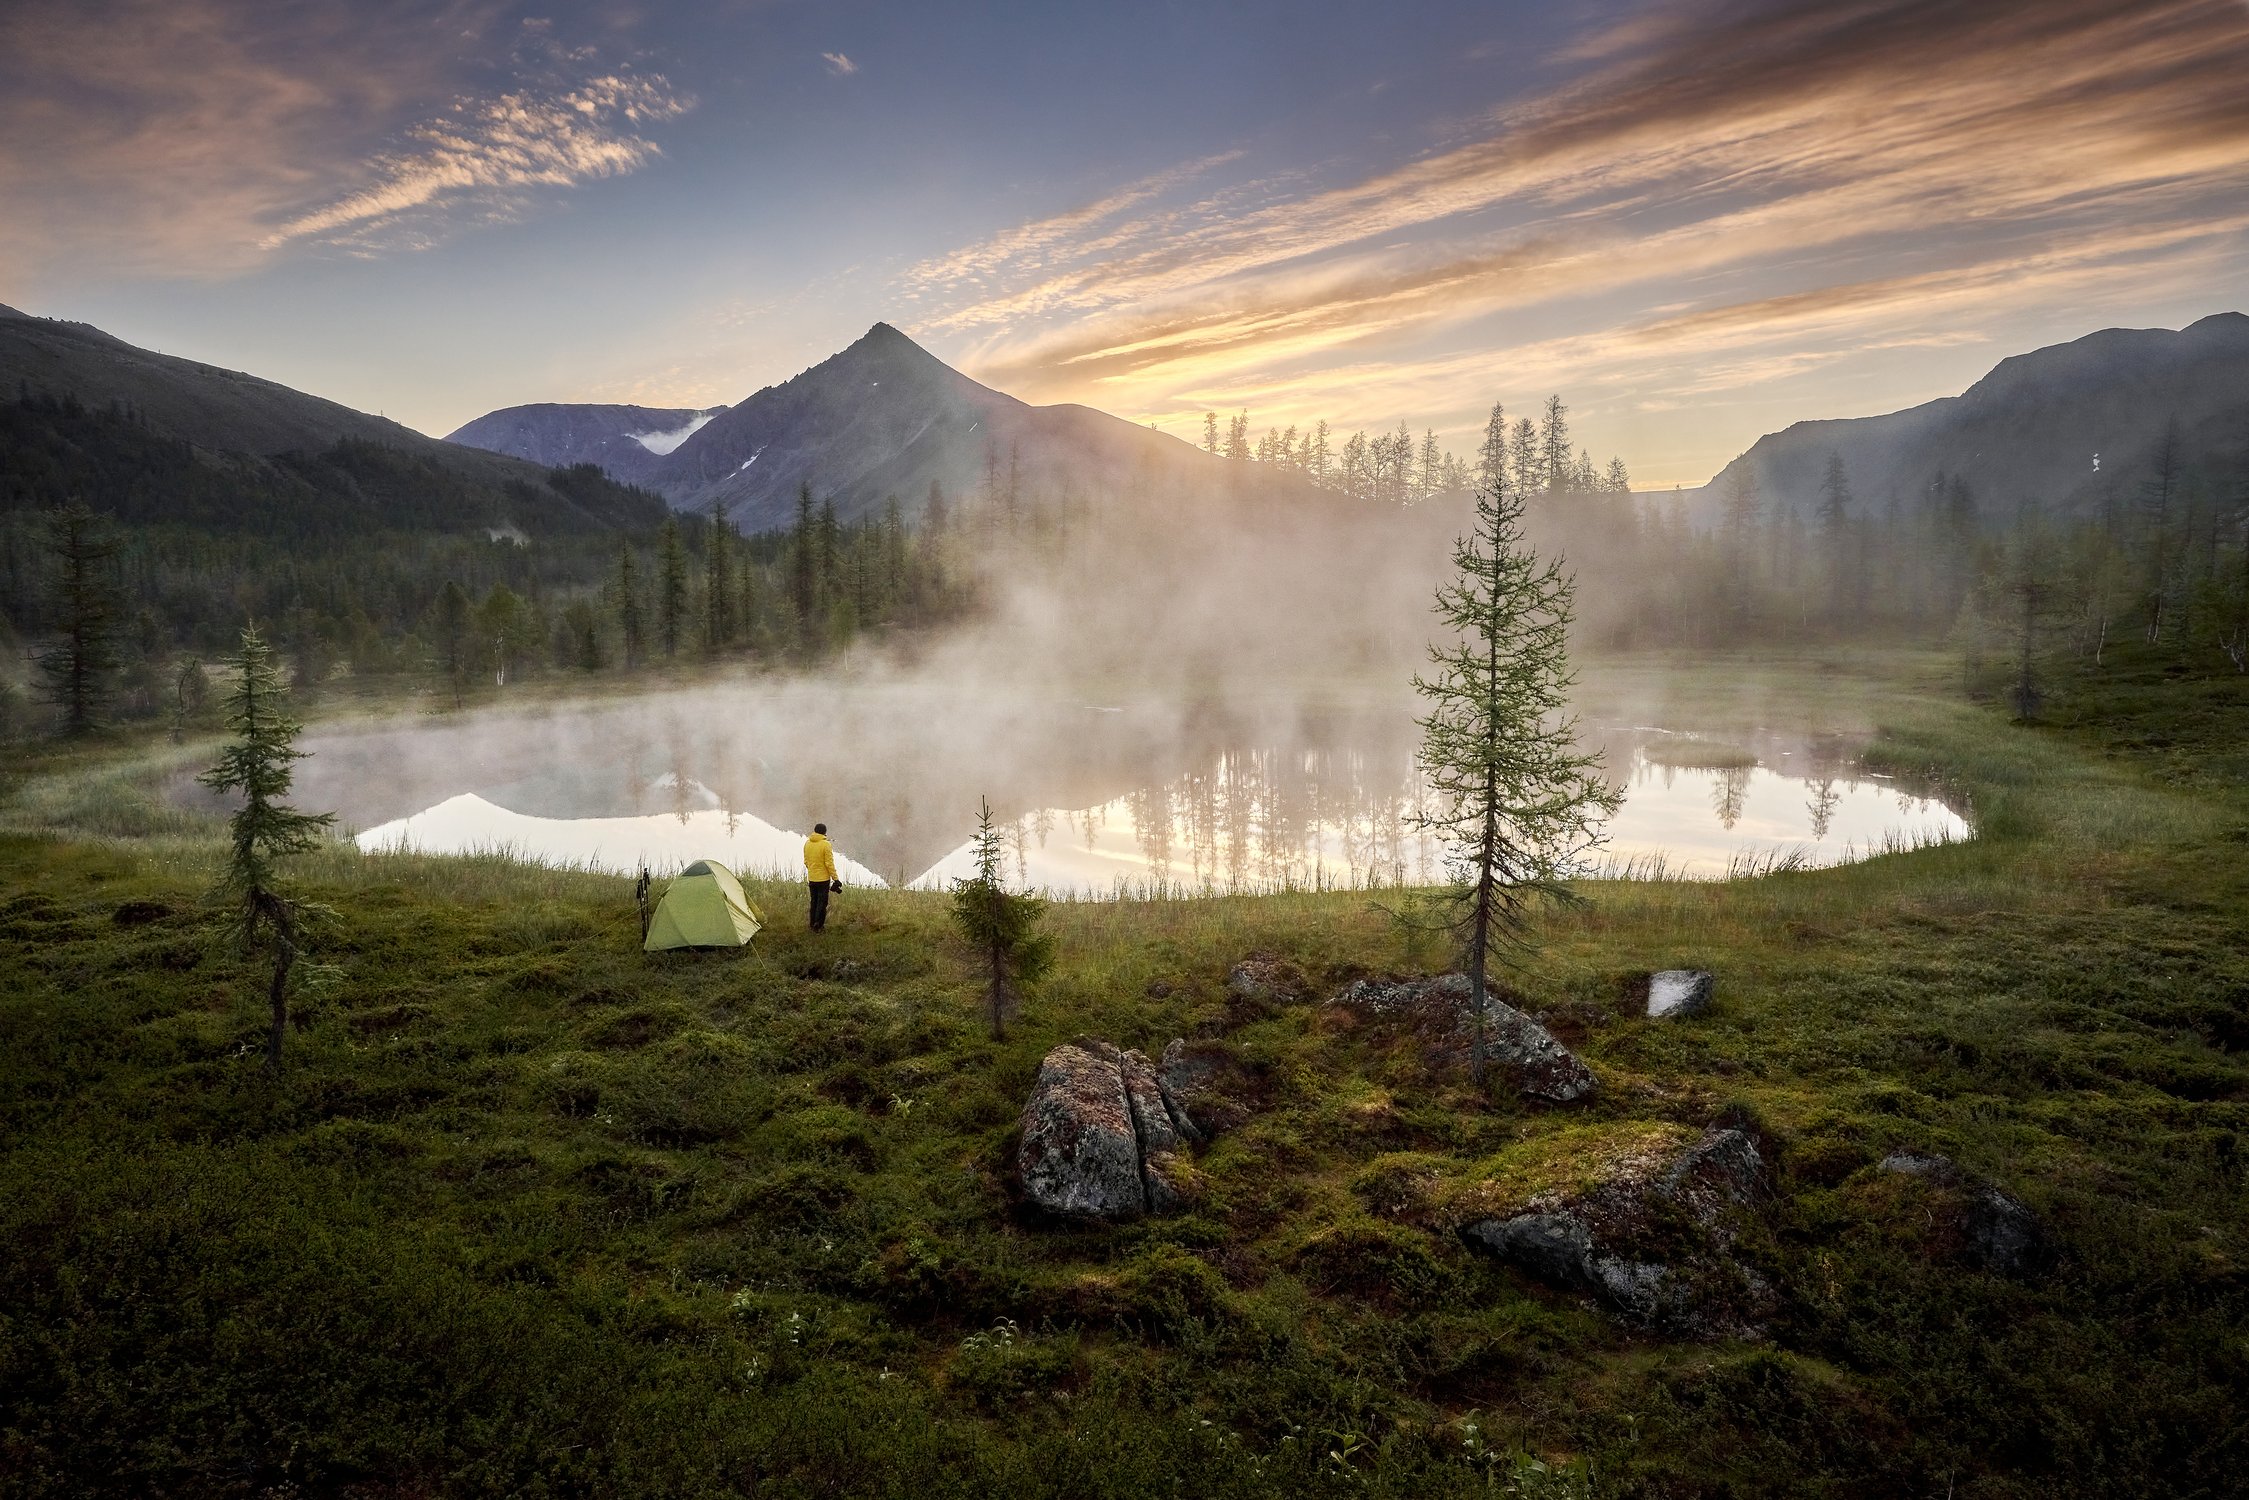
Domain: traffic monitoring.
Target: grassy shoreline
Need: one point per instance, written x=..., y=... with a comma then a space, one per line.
x=528, y=1212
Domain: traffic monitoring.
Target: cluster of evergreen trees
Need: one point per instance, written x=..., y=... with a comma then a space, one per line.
x=128, y=559
x=121, y=617
x=1391, y=468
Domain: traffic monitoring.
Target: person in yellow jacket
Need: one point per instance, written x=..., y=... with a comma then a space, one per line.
x=820, y=871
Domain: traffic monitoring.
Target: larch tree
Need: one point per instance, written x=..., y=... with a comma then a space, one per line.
x=1525, y=460
x=671, y=589
x=1556, y=467
x=632, y=625
x=1491, y=458
x=1002, y=929
x=81, y=667
x=718, y=591
x=804, y=564
x=1836, y=532
x=264, y=829
x=452, y=628
x=1513, y=798
x=2159, y=494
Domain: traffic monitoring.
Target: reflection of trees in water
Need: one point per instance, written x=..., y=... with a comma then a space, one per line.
x=1150, y=811
x=1298, y=817
x=1728, y=793
x=1821, y=805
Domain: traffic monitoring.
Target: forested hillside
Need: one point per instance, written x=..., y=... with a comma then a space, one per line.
x=368, y=559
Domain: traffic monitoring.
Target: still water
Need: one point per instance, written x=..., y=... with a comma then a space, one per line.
x=1092, y=799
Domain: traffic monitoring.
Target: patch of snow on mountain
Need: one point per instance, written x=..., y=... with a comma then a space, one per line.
x=665, y=442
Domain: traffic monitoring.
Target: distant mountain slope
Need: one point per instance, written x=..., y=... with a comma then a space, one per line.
x=157, y=438
x=883, y=417
x=625, y=440
x=2027, y=433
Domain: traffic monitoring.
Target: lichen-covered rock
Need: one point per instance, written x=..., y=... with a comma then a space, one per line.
x=1995, y=1230
x=1679, y=992
x=1203, y=1085
x=1167, y=1170
x=1080, y=1153
x=1106, y=1137
x=1653, y=1235
x=1440, y=1008
x=1262, y=985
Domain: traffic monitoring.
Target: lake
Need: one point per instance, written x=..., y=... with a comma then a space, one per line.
x=1094, y=799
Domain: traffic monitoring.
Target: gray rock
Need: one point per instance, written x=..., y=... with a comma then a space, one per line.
x=1997, y=1231
x=1080, y=1153
x=1261, y=985
x=1523, y=1050
x=1678, y=992
x=1106, y=1137
x=1653, y=1237
x=1201, y=1083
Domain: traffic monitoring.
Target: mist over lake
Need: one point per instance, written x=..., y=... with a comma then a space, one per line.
x=1315, y=790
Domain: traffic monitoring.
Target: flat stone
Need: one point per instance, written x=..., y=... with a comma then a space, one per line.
x=1515, y=1044
x=1679, y=992
x=1652, y=1237
x=1996, y=1231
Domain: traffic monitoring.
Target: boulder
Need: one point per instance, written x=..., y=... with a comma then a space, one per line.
x=1262, y=985
x=1080, y=1154
x=1105, y=1136
x=1439, y=1008
x=1652, y=1234
x=1995, y=1230
x=1678, y=992
x=1202, y=1084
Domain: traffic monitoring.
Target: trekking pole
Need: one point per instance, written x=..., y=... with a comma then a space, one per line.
x=640, y=899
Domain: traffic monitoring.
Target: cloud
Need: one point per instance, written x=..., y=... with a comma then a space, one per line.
x=1714, y=171
x=839, y=65
x=194, y=137
x=484, y=150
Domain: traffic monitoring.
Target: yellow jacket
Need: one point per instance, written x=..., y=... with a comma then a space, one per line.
x=819, y=860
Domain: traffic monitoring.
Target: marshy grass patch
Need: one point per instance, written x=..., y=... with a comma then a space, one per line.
x=682, y=1226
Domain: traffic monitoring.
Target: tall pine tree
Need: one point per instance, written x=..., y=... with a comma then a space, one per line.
x=81, y=667
x=671, y=589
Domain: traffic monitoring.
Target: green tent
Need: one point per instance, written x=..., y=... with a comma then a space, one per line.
x=703, y=908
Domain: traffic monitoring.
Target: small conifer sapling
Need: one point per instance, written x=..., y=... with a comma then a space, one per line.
x=257, y=763
x=1001, y=928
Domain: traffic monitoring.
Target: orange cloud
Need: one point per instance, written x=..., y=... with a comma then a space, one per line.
x=198, y=136
x=1875, y=161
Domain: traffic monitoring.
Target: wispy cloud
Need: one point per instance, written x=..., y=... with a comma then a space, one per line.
x=1713, y=174
x=199, y=137
x=473, y=160
x=839, y=65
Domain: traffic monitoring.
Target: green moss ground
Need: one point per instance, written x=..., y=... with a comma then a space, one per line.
x=530, y=1214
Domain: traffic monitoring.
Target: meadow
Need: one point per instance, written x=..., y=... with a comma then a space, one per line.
x=527, y=1212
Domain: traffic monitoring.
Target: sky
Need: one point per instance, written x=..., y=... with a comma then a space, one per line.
x=1696, y=220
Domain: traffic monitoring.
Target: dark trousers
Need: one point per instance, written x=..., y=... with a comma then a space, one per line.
x=819, y=905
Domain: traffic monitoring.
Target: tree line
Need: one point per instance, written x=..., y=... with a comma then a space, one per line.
x=1394, y=468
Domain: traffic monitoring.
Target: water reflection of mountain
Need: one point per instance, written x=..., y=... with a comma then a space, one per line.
x=1236, y=796
x=895, y=771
